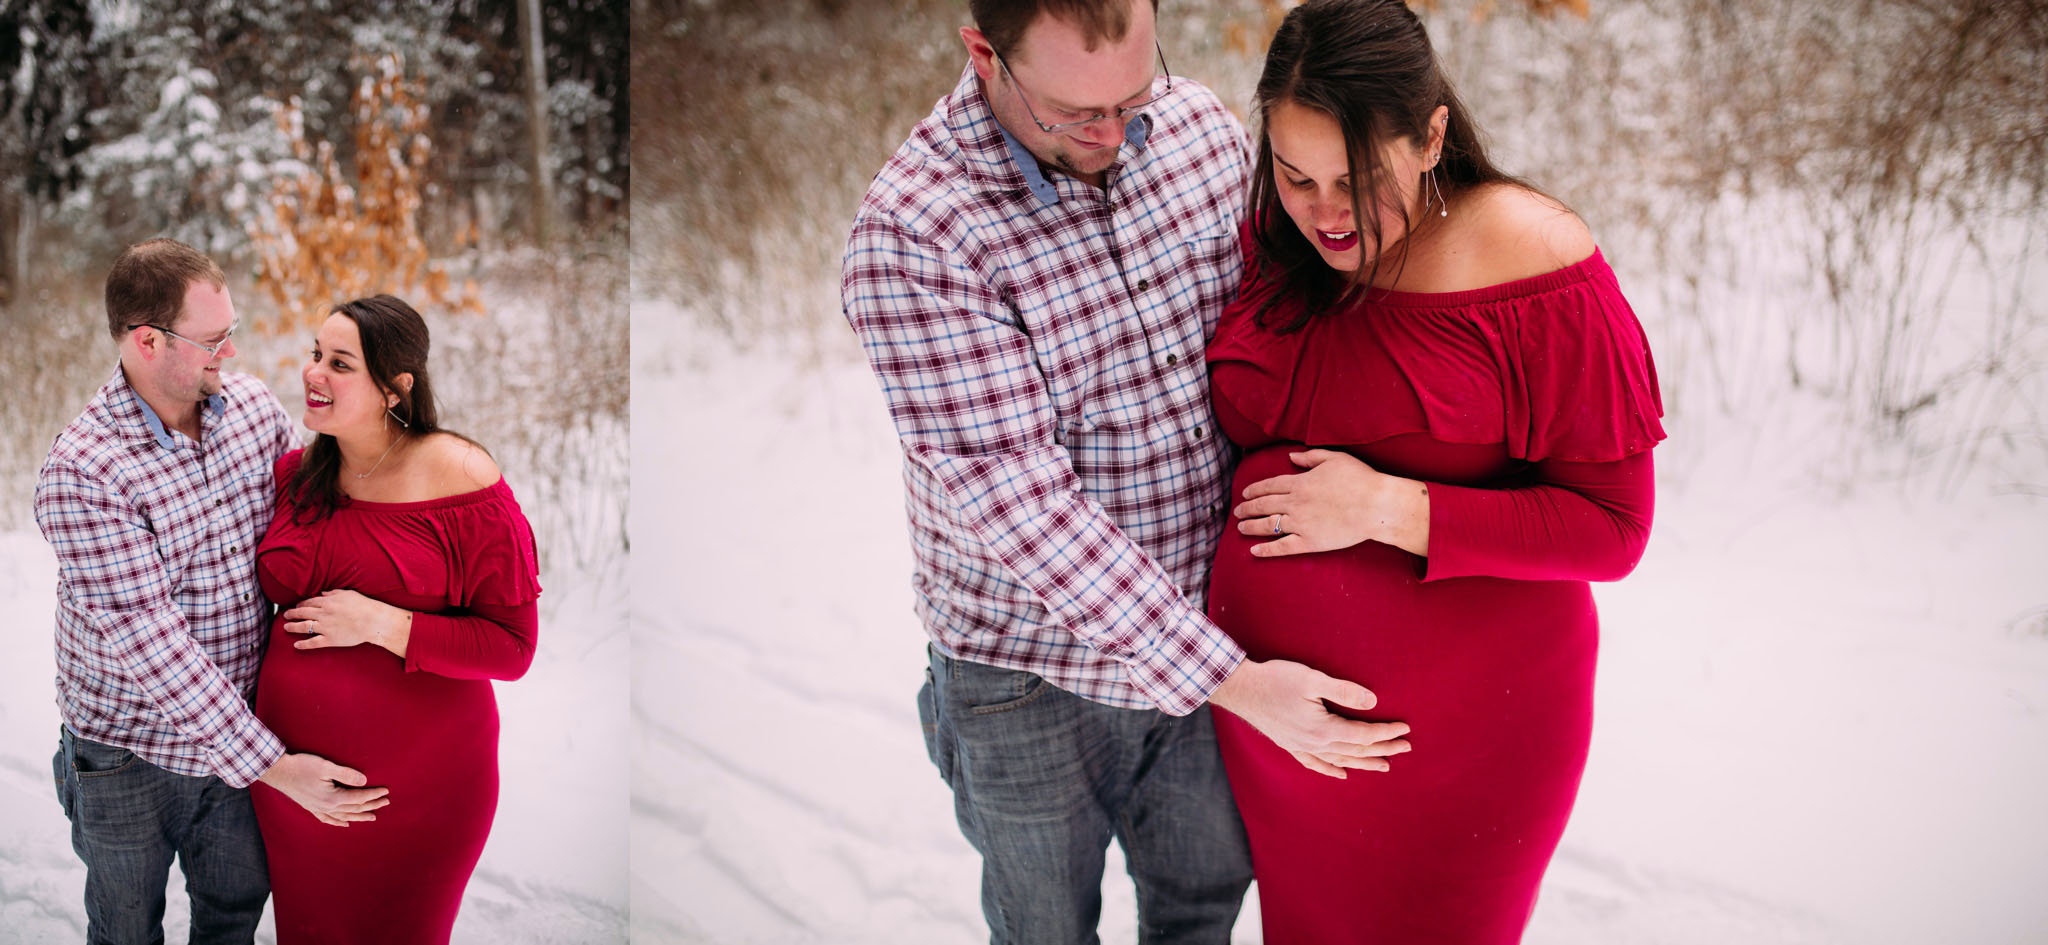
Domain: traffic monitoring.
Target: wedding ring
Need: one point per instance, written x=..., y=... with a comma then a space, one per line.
x=1276, y=523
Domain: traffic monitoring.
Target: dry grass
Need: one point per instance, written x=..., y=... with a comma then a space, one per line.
x=1837, y=201
x=57, y=353
x=544, y=384
x=1843, y=201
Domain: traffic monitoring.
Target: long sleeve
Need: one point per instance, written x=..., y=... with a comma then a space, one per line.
x=113, y=583
x=493, y=641
x=493, y=624
x=1577, y=522
x=976, y=421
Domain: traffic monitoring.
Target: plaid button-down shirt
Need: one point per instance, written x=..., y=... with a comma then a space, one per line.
x=160, y=622
x=1039, y=342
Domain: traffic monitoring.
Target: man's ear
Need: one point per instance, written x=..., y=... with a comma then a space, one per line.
x=148, y=341
x=980, y=52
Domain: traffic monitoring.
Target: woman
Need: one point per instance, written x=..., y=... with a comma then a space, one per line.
x=1442, y=393
x=409, y=580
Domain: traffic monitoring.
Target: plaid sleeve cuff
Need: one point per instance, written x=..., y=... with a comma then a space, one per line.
x=1185, y=664
x=247, y=749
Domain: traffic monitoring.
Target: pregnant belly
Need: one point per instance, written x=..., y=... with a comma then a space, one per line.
x=357, y=706
x=1472, y=647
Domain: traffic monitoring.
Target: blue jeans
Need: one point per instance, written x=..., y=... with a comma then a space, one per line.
x=129, y=818
x=1042, y=779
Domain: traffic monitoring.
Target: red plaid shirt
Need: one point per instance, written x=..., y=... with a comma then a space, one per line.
x=1039, y=343
x=160, y=623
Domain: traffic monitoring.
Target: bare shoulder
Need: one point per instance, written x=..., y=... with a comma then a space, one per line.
x=1518, y=233
x=455, y=465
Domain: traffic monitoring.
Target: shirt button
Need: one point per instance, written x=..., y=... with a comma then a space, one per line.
x=1172, y=359
x=233, y=550
x=245, y=596
x=1198, y=431
x=220, y=501
x=1144, y=284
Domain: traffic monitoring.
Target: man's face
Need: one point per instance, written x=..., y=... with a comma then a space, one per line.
x=184, y=371
x=1053, y=74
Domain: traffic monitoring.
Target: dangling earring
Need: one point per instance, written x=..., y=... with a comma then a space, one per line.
x=1443, y=208
x=394, y=416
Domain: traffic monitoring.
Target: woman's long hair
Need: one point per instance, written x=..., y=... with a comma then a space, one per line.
x=394, y=338
x=1369, y=65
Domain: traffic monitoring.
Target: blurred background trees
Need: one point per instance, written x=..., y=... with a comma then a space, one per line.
x=322, y=150
x=157, y=117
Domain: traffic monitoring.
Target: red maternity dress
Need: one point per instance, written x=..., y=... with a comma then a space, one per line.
x=1529, y=408
x=426, y=726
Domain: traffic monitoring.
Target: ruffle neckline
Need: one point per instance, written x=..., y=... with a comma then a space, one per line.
x=1553, y=366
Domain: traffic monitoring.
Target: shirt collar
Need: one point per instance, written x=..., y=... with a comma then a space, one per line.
x=1135, y=132
x=215, y=404
x=1000, y=161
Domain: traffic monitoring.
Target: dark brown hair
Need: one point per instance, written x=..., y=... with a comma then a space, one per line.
x=1003, y=22
x=1368, y=64
x=147, y=284
x=394, y=342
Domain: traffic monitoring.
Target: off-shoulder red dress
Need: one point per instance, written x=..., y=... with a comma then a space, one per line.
x=1529, y=408
x=426, y=726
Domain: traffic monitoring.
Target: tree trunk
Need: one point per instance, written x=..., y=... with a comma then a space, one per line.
x=17, y=221
x=534, y=55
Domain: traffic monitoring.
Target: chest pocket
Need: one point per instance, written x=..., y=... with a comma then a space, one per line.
x=226, y=525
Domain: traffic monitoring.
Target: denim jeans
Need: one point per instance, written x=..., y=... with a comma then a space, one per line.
x=129, y=818
x=1042, y=779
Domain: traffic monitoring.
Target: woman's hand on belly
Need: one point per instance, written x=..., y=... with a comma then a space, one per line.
x=1336, y=501
x=346, y=618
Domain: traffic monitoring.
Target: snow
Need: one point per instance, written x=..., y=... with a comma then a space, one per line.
x=1820, y=715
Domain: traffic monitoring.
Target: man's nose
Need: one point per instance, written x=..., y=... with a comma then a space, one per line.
x=1107, y=132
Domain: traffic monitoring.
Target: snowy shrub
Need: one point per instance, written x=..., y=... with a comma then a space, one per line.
x=326, y=235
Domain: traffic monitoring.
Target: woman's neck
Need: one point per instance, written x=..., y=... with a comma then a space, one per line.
x=366, y=451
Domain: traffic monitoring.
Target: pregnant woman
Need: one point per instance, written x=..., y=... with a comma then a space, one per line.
x=1447, y=410
x=409, y=580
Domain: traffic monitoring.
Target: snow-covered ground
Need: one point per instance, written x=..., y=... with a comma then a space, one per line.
x=1820, y=719
x=554, y=870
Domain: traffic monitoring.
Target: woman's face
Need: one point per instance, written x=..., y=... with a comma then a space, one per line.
x=341, y=397
x=1313, y=178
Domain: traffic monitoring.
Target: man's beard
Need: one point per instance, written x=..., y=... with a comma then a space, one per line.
x=1065, y=161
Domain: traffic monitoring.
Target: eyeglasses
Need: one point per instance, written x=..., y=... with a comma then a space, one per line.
x=1122, y=111
x=212, y=350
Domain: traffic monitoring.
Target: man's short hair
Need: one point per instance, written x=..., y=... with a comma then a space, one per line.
x=1002, y=22
x=147, y=284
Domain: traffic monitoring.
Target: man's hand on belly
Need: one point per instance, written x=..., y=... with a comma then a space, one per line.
x=329, y=791
x=1284, y=701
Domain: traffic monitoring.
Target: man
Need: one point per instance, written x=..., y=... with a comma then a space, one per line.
x=154, y=500
x=1034, y=275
